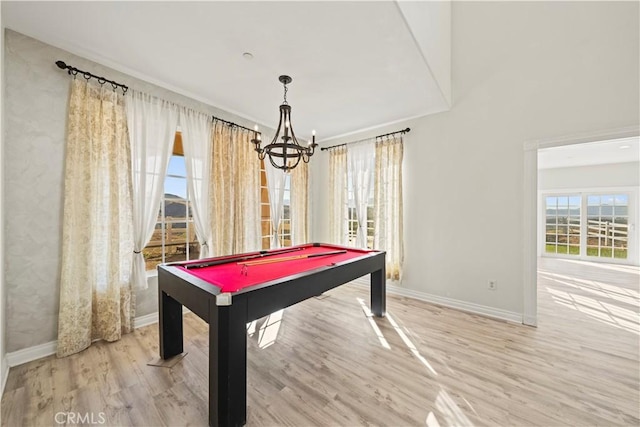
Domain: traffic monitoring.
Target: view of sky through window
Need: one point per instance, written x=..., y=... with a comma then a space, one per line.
x=177, y=167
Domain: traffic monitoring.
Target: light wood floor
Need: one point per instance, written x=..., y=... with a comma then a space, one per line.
x=325, y=363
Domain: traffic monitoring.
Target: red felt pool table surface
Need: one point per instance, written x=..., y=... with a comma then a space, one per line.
x=229, y=277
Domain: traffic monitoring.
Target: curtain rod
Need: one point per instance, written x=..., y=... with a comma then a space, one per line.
x=233, y=124
x=366, y=139
x=87, y=75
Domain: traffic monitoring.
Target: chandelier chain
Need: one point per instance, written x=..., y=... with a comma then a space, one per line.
x=285, y=94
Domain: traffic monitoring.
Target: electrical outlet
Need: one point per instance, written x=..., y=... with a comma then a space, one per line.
x=492, y=285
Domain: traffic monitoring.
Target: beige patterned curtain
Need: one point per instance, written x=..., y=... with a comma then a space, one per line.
x=388, y=204
x=96, y=301
x=338, y=232
x=235, y=191
x=300, y=204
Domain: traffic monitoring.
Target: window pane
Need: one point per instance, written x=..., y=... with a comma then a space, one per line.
x=608, y=226
x=174, y=236
x=177, y=166
x=562, y=218
x=175, y=188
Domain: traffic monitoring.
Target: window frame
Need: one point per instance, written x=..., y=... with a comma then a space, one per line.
x=161, y=221
x=633, y=209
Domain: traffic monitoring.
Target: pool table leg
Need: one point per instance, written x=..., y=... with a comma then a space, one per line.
x=228, y=363
x=170, y=325
x=378, y=292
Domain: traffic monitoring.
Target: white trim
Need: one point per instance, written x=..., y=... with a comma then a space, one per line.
x=465, y=306
x=4, y=368
x=20, y=357
x=530, y=250
x=579, y=138
x=530, y=205
x=142, y=321
x=29, y=354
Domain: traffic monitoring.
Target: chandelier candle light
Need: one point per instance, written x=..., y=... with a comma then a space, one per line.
x=287, y=154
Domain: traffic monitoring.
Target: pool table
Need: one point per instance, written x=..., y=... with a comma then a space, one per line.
x=228, y=292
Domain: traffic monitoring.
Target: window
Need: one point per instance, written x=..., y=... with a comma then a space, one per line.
x=352, y=217
x=587, y=225
x=608, y=225
x=562, y=234
x=284, y=229
x=174, y=237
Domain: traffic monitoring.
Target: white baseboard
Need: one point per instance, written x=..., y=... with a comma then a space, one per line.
x=530, y=320
x=147, y=320
x=469, y=307
x=4, y=368
x=16, y=358
x=29, y=354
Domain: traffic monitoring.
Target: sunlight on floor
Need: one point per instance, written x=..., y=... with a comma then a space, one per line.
x=612, y=313
x=375, y=328
x=452, y=413
x=631, y=269
x=410, y=344
x=400, y=332
x=600, y=289
x=268, y=332
x=431, y=420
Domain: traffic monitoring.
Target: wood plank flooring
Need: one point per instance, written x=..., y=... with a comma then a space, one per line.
x=324, y=363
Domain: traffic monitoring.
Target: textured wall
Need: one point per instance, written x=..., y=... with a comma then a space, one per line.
x=36, y=100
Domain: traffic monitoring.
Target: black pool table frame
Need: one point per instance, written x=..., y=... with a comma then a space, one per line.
x=228, y=315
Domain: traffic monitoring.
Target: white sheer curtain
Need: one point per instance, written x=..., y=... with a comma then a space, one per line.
x=96, y=299
x=152, y=126
x=275, y=185
x=338, y=232
x=300, y=204
x=360, y=157
x=196, y=142
x=388, y=209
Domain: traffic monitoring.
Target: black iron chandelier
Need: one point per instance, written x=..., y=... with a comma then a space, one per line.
x=286, y=154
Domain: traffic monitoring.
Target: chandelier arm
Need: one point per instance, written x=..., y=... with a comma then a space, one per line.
x=293, y=135
x=275, y=137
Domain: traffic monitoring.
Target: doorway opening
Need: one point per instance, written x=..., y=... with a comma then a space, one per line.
x=581, y=203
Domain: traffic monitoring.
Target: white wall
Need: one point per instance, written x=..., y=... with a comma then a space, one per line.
x=595, y=176
x=521, y=72
x=37, y=94
x=4, y=369
x=430, y=24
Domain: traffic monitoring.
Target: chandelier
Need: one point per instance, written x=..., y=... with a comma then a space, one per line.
x=287, y=154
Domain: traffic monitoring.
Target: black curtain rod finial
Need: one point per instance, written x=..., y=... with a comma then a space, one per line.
x=87, y=75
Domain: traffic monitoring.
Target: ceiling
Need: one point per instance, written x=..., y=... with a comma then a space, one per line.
x=355, y=65
x=593, y=153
